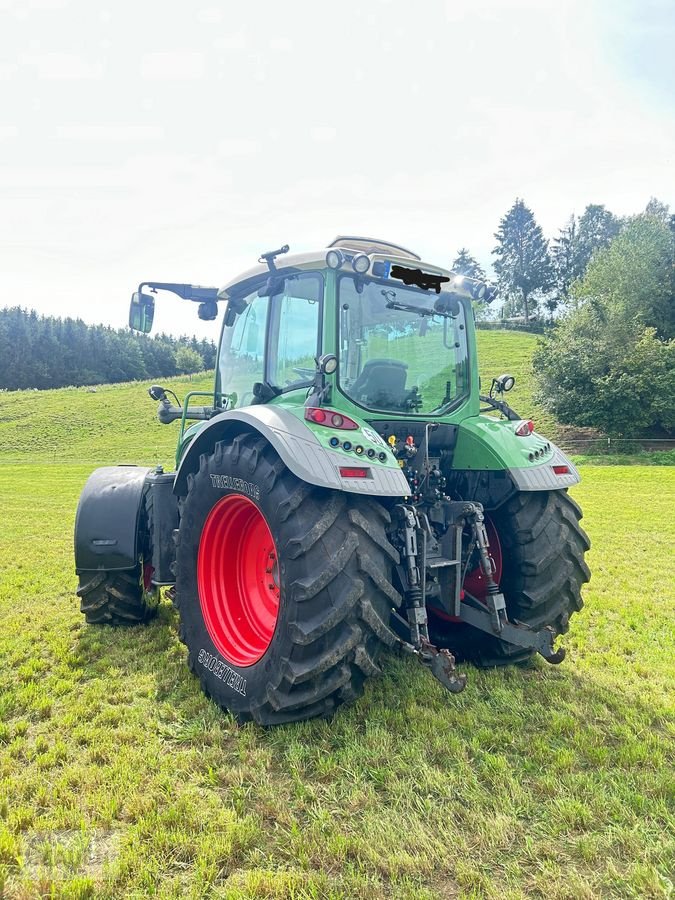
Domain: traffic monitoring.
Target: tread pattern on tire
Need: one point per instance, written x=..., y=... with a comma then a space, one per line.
x=118, y=598
x=543, y=547
x=334, y=574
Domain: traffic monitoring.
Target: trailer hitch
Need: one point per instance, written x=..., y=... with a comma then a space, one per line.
x=442, y=665
x=440, y=661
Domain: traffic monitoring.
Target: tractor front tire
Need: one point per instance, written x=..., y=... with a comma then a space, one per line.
x=542, y=548
x=284, y=589
x=117, y=598
x=123, y=597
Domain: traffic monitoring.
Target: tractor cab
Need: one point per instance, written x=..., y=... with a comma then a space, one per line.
x=398, y=328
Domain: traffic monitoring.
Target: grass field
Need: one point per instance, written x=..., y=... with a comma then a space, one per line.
x=118, y=778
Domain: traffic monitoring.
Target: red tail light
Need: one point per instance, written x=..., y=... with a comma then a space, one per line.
x=330, y=418
x=525, y=428
x=354, y=472
x=561, y=470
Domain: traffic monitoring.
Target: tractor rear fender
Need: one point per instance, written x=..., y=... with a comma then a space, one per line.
x=106, y=525
x=298, y=447
x=489, y=450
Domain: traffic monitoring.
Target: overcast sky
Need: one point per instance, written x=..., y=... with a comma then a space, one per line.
x=176, y=141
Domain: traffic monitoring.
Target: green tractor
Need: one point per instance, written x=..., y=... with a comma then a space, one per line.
x=345, y=488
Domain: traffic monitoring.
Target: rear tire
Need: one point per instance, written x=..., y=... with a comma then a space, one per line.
x=333, y=574
x=543, y=547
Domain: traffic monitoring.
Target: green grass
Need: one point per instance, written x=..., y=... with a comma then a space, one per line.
x=118, y=778
x=511, y=351
x=641, y=458
x=116, y=423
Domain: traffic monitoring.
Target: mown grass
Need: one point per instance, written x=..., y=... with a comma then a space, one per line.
x=118, y=778
x=641, y=458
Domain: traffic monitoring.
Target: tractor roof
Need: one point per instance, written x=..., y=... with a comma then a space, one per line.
x=317, y=259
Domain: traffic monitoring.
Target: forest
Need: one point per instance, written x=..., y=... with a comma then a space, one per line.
x=45, y=352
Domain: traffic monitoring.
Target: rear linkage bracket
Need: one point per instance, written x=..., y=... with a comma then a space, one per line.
x=491, y=616
x=441, y=662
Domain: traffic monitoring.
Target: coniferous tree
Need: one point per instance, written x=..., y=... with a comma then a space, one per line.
x=44, y=352
x=564, y=258
x=523, y=263
x=597, y=228
x=466, y=264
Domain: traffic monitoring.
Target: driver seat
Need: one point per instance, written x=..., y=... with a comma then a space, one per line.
x=381, y=384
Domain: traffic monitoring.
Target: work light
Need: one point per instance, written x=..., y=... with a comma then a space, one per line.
x=334, y=259
x=360, y=263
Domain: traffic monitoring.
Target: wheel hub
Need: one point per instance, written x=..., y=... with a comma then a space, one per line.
x=238, y=580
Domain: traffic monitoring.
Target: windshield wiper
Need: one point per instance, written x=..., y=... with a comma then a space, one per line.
x=393, y=303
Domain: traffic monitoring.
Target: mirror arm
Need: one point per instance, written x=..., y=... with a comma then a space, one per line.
x=194, y=292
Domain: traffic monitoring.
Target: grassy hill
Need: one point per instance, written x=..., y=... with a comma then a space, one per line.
x=118, y=423
x=511, y=351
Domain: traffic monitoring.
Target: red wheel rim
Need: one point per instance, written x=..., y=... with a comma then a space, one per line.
x=475, y=582
x=238, y=580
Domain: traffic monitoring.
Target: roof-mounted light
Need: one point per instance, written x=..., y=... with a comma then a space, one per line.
x=477, y=289
x=334, y=259
x=360, y=263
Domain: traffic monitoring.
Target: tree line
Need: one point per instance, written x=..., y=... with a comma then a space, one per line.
x=533, y=274
x=47, y=352
x=607, y=287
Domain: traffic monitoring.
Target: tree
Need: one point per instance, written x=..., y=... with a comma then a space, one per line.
x=597, y=228
x=658, y=210
x=633, y=277
x=523, y=264
x=610, y=363
x=188, y=360
x=45, y=352
x=564, y=259
x=466, y=264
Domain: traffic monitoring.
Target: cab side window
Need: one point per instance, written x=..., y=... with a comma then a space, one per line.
x=296, y=321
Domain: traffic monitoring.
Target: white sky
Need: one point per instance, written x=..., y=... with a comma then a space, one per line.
x=175, y=141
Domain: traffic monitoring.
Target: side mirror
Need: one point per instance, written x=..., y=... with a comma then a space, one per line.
x=141, y=312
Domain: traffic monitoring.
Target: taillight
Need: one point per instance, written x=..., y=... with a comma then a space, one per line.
x=525, y=428
x=561, y=470
x=354, y=472
x=329, y=418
